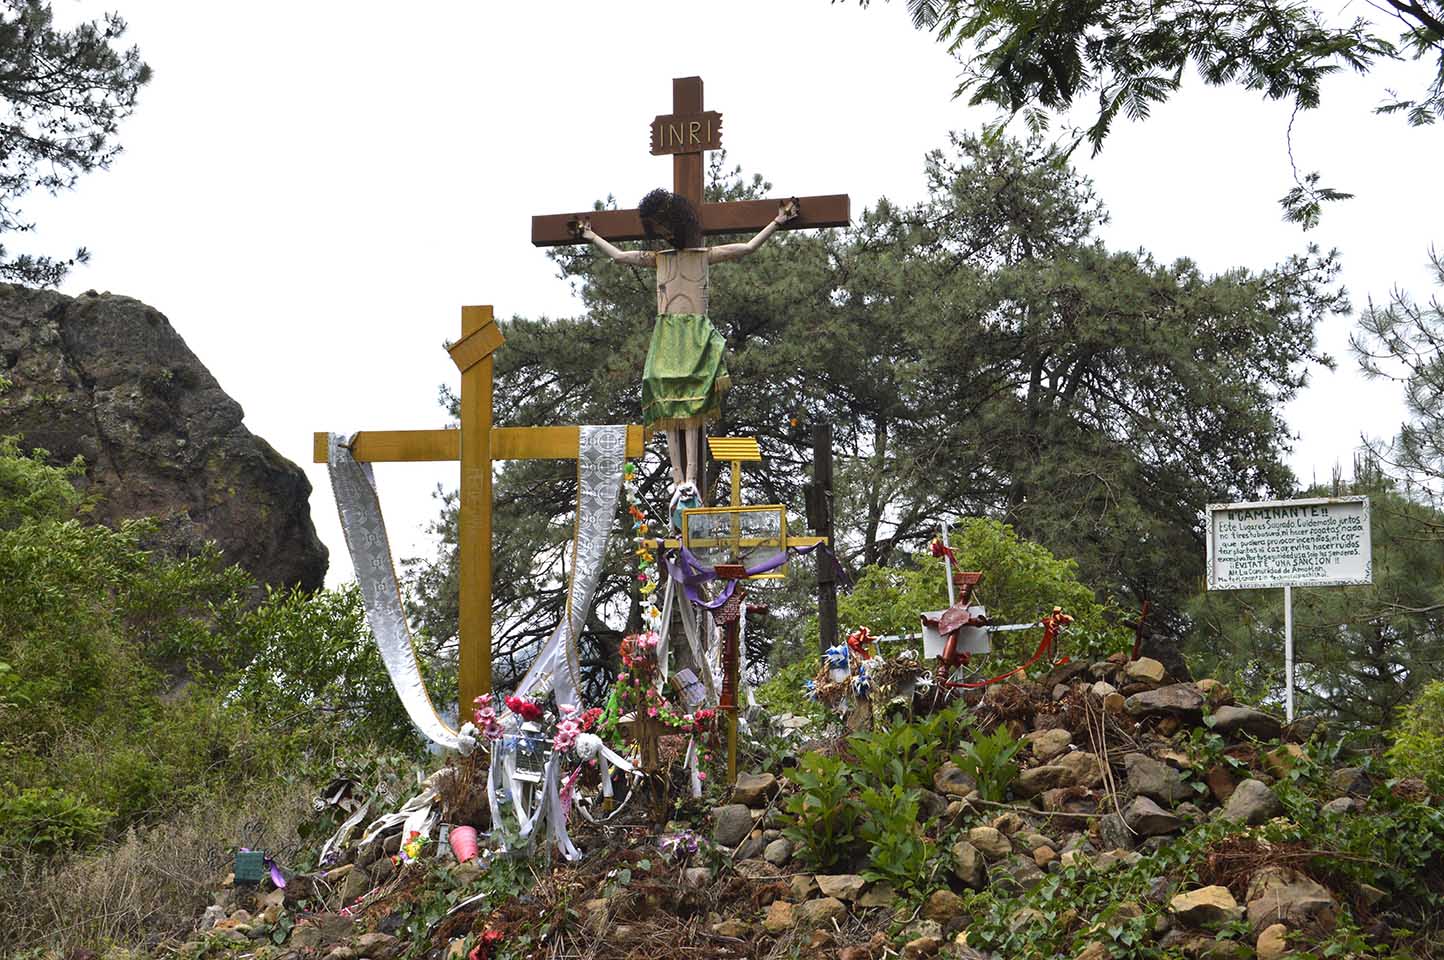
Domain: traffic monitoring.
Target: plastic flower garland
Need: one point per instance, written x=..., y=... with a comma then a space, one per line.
x=648, y=577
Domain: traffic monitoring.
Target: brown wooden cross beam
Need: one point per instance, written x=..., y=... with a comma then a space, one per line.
x=687, y=133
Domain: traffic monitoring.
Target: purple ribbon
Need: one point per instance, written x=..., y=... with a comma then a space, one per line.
x=692, y=573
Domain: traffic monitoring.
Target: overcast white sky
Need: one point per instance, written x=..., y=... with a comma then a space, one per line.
x=310, y=191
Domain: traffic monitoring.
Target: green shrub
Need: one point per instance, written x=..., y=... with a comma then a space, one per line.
x=1022, y=582
x=47, y=820
x=989, y=761
x=1418, y=747
x=822, y=815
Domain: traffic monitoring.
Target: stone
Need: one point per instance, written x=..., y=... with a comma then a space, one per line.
x=778, y=852
x=731, y=824
x=1044, y=856
x=752, y=847
x=212, y=915
x=319, y=929
x=1283, y=895
x=1342, y=805
x=107, y=378
x=696, y=877
x=1083, y=768
x=1234, y=721
x=756, y=869
x=1281, y=760
x=734, y=928
x=1217, y=694
x=1113, y=833
x=1221, y=782
x=840, y=886
x=877, y=895
x=1179, y=699
x=854, y=952
x=1251, y=803
x=930, y=805
x=1206, y=906
x=1148, y=819
x=968, y=865
x=1093, y=951
x=990, y=842
x=1102, y=688
x=455, y=949
x=951, y=781
x=1158, y=781
x=1037, y=780
x=1009, y=823
x=379, y=946
x=781, y=917
x=1145, y=670
x=944, y=906
x=822, y=912
x=754, y=789
x=1109, y=859
x=801, y=887
x=922, y=928
x=354, y=885
x=1047, y=744
x=1023, y=871
x=1352, y=782
x=1114, y=703
x=922, y=946
x=1272, y=942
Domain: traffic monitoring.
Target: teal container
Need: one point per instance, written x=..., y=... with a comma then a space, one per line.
x=250, y=866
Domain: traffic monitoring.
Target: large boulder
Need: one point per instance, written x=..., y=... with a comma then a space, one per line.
x=107, y=378
x=1206, y=906
x=1252, y=802
x=1148, y=777
x=1233, y=721
x=1281, y=895
x=1178, y=699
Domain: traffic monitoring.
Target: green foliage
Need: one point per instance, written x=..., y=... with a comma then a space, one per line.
x=873, y=800
x=899, y=849
x=988, y=759
x=134, y=685
x=1022, y=582
x=822, y=814
x=48, y=820
x=1399, y=342
x=1418, y=738
x=1037, y=61
x=65, y=93
x=785, y=691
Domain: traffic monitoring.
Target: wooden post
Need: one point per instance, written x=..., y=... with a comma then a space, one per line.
x=819, y=509
x=687, y=167
x=474, y=521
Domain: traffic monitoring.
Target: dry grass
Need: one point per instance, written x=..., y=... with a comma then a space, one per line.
x=150, y=885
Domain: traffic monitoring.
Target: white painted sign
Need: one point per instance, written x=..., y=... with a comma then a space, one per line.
x=1289, y=543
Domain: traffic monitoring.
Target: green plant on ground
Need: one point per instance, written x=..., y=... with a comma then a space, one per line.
x=1418, y=747
x=988, y=759
x=822, y=814
x=898, y=847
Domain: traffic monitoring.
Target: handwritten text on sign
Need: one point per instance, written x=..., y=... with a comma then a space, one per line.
x=1298, y=543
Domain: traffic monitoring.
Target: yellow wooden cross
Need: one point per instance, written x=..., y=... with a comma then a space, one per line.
x=477, y=445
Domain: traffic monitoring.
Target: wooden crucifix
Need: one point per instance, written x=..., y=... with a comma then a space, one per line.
x=685, y=375
x=686, y=134
x=477, y=445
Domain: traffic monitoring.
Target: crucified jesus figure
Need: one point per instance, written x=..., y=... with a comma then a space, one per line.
x=686, y=371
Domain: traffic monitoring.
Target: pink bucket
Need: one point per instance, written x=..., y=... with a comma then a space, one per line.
x=463, y=843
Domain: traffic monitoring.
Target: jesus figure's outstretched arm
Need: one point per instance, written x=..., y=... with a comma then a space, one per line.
x=787, y=209
x=633, y=258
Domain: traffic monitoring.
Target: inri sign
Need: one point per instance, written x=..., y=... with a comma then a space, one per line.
x=1289, y=543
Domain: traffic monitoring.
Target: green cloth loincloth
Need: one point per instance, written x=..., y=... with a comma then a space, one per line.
x=685, y=374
